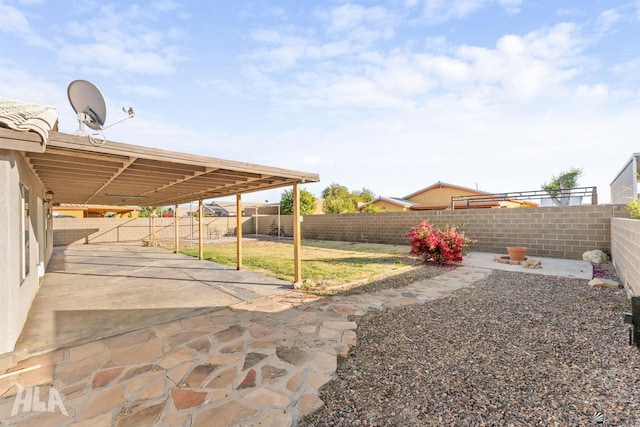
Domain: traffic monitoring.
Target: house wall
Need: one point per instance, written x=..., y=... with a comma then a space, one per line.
x=388, y=207
x=624, y=187
x=625, y=251
x=16, y=295
x=71, y=231
x=440, y=196
x=557, y=232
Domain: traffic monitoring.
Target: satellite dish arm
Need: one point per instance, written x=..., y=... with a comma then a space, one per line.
x=131, y=113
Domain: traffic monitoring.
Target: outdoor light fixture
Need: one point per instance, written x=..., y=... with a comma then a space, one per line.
x=633, y=318
x=48, y=196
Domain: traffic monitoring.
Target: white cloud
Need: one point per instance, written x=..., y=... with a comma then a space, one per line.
x=598, y=91
x=512, y=7
x=629, y=68
x=443, y=10
x=19, y=84
x=359, y=24
x=437, y=11
x=608, y=20
x=104, y=59
x=122, y=40
x=519, y=69
x=149, y=91
x=220, y=86
x=522, y=66
x=12, y=21
x=350, y=16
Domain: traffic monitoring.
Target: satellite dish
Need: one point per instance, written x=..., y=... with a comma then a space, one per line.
x=86, y=99
x=88, y=103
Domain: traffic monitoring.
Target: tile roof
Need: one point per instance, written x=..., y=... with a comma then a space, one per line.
x=441, y=184
x=25, y=117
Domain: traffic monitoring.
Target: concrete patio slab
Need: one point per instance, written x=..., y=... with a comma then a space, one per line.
x=549, y=266
x=110, y=290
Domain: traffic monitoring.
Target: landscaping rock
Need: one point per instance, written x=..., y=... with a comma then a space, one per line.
x=513, y=349
x=595, y=256
x=531, y=263
x=604, y=283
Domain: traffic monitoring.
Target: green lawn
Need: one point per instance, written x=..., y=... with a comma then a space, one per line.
x=324, y=263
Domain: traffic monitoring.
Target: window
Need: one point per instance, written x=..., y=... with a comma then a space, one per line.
x=24, y=232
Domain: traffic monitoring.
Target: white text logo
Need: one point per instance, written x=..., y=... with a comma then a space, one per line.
x=29, y=399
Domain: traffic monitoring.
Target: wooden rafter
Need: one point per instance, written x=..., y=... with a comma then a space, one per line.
x=122, y=169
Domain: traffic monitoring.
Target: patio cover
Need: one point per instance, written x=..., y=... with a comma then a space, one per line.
x=75, y=171
x=124, y=174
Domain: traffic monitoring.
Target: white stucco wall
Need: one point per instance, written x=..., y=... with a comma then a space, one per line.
x=16, y=295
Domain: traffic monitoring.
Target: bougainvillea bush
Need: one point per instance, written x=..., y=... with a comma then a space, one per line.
x=439, y=246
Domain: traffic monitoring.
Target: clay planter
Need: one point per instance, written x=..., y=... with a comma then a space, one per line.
x=517, y=253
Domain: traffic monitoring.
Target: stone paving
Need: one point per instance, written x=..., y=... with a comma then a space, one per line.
x=257, y=363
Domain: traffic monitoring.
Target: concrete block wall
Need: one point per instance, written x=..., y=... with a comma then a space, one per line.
x=269, y=223
x=70, y=231
x=557, y=232
x=625, y=251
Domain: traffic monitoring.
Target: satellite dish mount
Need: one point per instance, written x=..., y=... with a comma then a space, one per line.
x=88, y=103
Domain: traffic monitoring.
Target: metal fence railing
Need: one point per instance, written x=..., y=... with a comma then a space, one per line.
x=559, y=197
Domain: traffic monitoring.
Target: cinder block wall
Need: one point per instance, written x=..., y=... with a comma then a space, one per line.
x=70, y=231
x=625, y=251
x=557, y=232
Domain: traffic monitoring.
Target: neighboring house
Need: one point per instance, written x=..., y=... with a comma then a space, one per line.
x=216, y=209
x=389, y=204
x=94, y=211
x=438, y=196
x=624, y=187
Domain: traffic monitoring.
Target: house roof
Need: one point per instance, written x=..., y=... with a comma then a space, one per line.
x=394, y=200
x=634, y=156
x=441, y=184
x=124, y=174
x=22, y=116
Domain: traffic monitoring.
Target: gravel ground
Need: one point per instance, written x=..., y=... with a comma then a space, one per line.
x=513, y=350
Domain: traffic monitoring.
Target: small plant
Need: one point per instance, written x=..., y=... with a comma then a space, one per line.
x=634, y=208
x=438, y=246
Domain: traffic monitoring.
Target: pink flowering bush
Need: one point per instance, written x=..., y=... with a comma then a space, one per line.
x=438, y=246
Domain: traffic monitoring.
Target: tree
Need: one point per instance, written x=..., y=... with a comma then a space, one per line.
x=336, y=191
x=365, y=195
x=338, y=198
x=307, y=202
x=558, y=185
x=146, y=211
x=371, y=209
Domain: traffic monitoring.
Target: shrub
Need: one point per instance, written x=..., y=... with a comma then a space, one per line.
x=634, y=208
x=438, y=246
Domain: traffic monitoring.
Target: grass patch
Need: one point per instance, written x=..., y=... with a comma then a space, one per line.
x=325, y=264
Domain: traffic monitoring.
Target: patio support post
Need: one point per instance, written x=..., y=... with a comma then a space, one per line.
x=297, y=262
x=176, y=235
x=200, y=233
x=153, y=226
x=239, y=230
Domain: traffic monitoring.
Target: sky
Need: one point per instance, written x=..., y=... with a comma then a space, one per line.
x=391, y=96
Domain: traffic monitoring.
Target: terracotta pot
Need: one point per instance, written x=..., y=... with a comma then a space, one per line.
x=517, y=253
